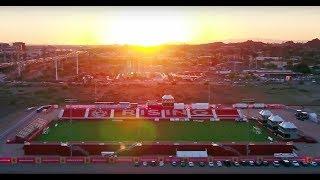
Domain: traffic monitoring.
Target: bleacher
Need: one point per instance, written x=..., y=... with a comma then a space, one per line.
x=35, y=125
x=74, y=112
x=125, y=113
x=201, y=113
x=227, y=113
x=97, y=113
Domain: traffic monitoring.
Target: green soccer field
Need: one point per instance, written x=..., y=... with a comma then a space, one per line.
x=139, y=130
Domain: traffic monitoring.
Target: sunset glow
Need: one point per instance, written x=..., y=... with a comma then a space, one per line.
x=157, y=25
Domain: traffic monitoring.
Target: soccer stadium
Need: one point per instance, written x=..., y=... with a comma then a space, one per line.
x=108, y=131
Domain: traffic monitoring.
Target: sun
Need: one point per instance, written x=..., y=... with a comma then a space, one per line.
x=145, y=30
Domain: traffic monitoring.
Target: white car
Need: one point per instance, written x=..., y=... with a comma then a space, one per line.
x=145, y=163
x=276, y=163
x=314, y=164
x=191, y=164
x=211, y=164
x=251, y=163
x=161, y=163
x=219, y=163
x=295, y=164
x=236, y=163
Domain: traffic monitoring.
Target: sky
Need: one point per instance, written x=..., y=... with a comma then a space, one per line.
x=157, y=25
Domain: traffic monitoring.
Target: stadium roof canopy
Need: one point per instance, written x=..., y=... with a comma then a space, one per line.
x=275, y=118
x=265, y=113
x=192, y=154
x=287, y=125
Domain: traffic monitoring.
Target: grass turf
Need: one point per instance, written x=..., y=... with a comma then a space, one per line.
x=222, y=131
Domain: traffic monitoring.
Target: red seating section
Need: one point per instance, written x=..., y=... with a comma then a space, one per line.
x=128, y=113
x=201, y=113
x=74, y=112
x=99, y=113
x=227, y=113
x=150, y=113
x=175, y=113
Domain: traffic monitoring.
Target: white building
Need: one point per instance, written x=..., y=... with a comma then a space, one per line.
x=288, y=130
x=274, y=121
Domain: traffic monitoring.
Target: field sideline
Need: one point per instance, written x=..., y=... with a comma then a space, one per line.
x=141, y=130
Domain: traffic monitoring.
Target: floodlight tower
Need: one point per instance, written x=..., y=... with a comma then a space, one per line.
x=77, y=56
x=56, y=66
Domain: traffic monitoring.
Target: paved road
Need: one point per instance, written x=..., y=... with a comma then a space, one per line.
x=23, y=119
x=124, y=168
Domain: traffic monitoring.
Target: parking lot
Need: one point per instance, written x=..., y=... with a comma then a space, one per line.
x=167, y=168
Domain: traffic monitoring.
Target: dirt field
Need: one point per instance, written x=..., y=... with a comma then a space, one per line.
x=12, y=98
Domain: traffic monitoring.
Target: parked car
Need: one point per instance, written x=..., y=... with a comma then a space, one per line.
x=219, y=163
x=191, y=164
x=304, y=163
x=145, y=163
x=227, y=163
x=313, y=163
x=276, y=163
x=295, y=164
x=202, y=164
x=136, y=164
x=258, y=163
x=174, y=163
x=286, y=163
x=183, y=164
x=161, y=163
x=153, y=163
x=211, y=164
x=265, y=163
x=236, y=163
x=251, y=163
x=244, y=163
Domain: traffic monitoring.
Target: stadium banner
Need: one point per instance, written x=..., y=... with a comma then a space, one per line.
x=26, y=160
x=5, y=160
x=49, y=160
x=74, y=159
x=98, y=159
x=124, y=159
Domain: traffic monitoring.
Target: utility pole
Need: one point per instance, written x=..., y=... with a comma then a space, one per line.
x=77, y=64
x=56, y=66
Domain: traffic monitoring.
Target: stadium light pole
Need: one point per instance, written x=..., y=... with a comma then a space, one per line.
x=77, y=58
x=56, y=66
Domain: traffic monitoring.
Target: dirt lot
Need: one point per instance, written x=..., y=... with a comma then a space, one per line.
x=12, y=98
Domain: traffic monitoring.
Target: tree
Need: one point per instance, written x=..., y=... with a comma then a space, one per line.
x=302, y=68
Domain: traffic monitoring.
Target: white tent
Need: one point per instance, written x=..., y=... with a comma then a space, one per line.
x=178, y=105
x=265, y=113
x=313, y=117
x=200, y=106
x=240, y=105
x=167, y=97
x=275, y=118
x=192, y=154
x=287, y=125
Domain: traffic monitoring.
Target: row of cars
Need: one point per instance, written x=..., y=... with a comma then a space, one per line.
x=228, y=163
x=301, y=115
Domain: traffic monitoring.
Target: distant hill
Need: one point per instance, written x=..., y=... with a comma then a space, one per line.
x=314, y=43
